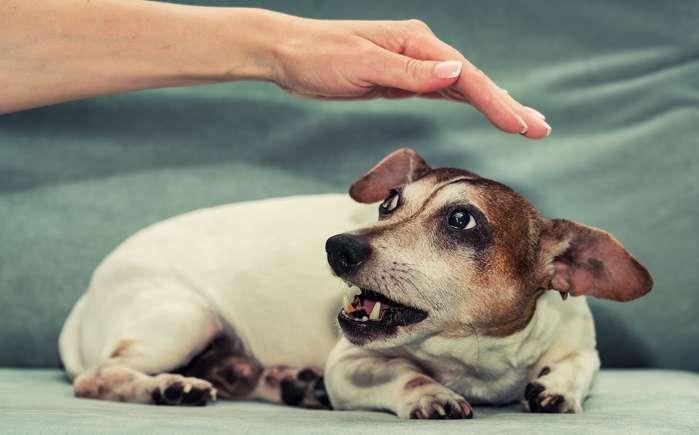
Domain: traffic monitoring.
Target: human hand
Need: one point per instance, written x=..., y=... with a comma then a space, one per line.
x=80, y=57
x=389, y=59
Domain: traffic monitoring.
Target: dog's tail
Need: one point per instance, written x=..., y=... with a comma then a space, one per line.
x=69, y=341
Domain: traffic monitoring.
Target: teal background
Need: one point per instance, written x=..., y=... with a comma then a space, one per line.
x=619, y=82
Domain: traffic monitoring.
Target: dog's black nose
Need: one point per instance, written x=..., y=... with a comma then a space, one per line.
x=346, y=252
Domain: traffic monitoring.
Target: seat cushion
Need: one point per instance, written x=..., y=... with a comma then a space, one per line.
x=621, y=401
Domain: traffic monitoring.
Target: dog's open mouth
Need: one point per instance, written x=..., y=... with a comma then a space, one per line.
x=370, y=314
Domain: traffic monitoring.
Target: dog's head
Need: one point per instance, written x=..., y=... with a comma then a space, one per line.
x=453, y=253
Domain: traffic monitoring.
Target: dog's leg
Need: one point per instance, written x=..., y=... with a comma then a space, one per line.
x=561, y=386
x=243, y=378
x=295, y=387
x=113, y=380
x=236, y=375
x=359, y=379
x=148, y=346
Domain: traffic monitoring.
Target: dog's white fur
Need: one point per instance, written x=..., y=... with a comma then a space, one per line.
x=258, y=266
x=257, y=269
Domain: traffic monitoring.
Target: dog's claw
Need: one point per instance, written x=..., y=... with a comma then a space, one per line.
x=439, y=409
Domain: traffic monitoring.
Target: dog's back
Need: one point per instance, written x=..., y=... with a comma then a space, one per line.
x=253, y=266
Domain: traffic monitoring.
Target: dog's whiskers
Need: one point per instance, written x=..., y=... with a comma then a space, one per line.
x=405, y=275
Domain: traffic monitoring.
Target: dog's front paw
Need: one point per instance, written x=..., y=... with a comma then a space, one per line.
x=437, y=404
x=304, y=388
x=179, y=390
x=542, y=398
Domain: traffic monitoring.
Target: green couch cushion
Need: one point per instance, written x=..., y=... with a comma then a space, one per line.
x=618, y=81
x=621, y=402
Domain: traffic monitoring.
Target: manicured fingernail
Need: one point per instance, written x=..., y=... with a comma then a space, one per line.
x=536, y=112
x=448, y=69
x=548, y=129
x=522, y=124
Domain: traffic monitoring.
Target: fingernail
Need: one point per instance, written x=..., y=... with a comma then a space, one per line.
x=448, y=69
x=523, y=124
x=548, y=129
x=536, y=112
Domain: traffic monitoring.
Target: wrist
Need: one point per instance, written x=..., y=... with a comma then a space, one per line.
x=213, y=44
x=258, y=43
x=248, y=39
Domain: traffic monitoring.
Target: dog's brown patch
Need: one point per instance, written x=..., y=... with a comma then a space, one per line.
x=417, y=381
x=509, y=288
x=226, y=365
x=122, y=347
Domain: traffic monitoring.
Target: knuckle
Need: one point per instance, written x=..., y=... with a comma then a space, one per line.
x=417, y=24
x=412, y=67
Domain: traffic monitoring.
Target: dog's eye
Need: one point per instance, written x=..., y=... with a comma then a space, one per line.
x=461, y=220
x=390, y=203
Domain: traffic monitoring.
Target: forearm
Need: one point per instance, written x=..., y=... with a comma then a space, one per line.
x=59, y=50
x=356, y=378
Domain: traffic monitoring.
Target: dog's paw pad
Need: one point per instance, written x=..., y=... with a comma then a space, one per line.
x=294, y=387
x=305, y=387
x=236, y=376
x=539, y=399
x=179, y=390
x=445, y=405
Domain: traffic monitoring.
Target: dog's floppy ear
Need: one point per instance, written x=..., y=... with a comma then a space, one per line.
x=400, y=167
x=583, y=260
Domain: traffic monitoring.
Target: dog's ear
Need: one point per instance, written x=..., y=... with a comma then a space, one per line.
x=583, y=260
x=400, y=167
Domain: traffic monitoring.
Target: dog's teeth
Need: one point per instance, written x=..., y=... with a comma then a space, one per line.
x=365, y=318
x=375, y=312
x=347, y=307
x=351, y=292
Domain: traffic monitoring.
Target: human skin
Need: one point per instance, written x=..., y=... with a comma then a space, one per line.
x=60, y=50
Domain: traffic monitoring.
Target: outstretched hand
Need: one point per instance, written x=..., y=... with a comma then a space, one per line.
x=101, y=47
x=390, y=59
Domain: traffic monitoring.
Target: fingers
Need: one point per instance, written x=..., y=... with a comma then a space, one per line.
x=392, y=70
x=503, y=111
x=537, y=127
x=477, y=89
x=474, y=87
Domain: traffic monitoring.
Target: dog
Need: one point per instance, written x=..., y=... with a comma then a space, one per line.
x=456, y=296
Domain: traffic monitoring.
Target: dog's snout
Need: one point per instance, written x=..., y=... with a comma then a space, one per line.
x=346, y=252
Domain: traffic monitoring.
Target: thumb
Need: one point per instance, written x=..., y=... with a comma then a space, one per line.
x=413, y=75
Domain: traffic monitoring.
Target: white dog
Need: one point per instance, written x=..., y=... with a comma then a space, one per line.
x=447, y=304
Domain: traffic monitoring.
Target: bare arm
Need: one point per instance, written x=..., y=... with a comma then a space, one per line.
x=61, y=50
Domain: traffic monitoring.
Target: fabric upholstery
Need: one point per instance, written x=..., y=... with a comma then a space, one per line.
x=621, y=402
